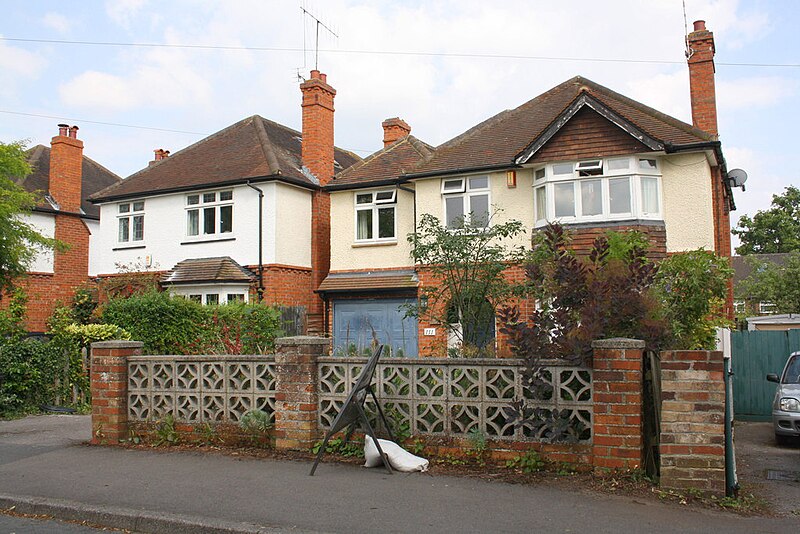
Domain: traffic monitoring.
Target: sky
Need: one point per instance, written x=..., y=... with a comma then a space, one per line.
x=423, y=61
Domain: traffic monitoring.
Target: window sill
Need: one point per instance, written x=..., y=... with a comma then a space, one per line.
x=129, y=247
x=207, y=240
x=375, y=244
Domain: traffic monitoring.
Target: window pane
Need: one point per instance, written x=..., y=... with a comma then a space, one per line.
x=193, y=199
x=364, y=224
x=565, y=199
x=618, y=164
x=138, y=228
x=479, y=208
x=209, y=197
x=619, y=192
x=384, y=195
x=364, y=199
x=453, y=186
x=226, y=195
x=226, y=219
x=212, y=298
x=124, y=230
x=649, y=195
x=479, y=182
x=541, y=203
x=539, y=174
x=138, y=206
x=209, y=220
x=591, y=197
x=562, y=168
x=192, y=222
x=385, y=222
x=454, y=212
x=648, y=164
x=235, y=297
x=124, y=208
x=196, y=298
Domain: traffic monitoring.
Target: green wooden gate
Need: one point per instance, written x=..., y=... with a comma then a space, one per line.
x=754, y=354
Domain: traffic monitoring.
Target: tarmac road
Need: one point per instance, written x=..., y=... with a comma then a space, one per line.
x=44, y=467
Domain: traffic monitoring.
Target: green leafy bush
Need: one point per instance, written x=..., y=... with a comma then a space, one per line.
x=28, y=372
x=245, y=328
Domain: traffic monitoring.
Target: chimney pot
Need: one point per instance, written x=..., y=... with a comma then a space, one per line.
x=62, y=129
x=699, y=25
x=73, y=132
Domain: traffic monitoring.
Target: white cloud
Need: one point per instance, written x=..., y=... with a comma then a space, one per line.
x=124, y=11
x=16, y=61
x=57, y=22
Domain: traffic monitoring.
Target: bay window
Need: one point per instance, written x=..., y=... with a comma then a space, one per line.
x=130, y=222
x=375, y=216
x=598, y=190
x=209, y=214
x=466, y=201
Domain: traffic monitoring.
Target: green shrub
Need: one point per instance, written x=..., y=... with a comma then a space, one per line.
x=245, y=328
x=28, y=372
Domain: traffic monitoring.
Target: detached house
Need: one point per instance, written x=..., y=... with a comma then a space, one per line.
x=580, y=154
x=66, y=178
x=239, y=215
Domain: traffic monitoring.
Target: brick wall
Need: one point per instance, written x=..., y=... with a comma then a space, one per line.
x=285, y=285
x=318, y=157
x=109, y=387
x=583, y=236
x=618, y=385
x=693, y=421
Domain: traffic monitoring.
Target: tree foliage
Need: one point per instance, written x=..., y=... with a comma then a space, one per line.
x=774, y=230
x=20, y=242
x=773, y=283
x=467, y=265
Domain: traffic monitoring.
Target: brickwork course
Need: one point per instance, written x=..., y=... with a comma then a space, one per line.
x=693, y=421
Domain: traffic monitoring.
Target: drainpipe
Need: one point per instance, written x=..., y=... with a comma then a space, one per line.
x=260, y=289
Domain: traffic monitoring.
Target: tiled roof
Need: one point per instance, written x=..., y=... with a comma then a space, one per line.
x=94, y=178
x=369, y=281
x=252, y=148
x=742, y=266
x=205, y=270
x=387, y=164
x=498, y=140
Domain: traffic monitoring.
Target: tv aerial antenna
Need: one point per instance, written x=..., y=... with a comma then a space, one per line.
x=317, y=24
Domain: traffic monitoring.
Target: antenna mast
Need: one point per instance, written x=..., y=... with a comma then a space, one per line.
x=316, y=45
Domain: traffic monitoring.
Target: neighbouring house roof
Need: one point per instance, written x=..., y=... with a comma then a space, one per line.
x=373, y=281
x=94, y=177
x=383, y=167
x=207, y=270
x=742, y=266
x=500, y=140
x=254, y=148
x=788, y=320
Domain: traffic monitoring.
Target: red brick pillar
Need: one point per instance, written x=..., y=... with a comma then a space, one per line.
x=296, y=400
x=693, y=421
x=109, y=386
x=617, y=382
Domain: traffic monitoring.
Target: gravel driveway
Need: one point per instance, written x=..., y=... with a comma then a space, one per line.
x=769, y=470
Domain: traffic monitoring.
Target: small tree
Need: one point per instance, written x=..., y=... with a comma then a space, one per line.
x=777, y=284
x=467, y=269
x=774, y=230
x=20, y=242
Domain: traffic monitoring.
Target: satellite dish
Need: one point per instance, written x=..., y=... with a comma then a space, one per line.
x=737, y=177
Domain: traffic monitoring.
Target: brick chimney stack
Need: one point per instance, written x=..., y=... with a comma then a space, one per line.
x=160, y=154
x=394, y=129
x=318, y=157
x=66, y=162
x=700, y=56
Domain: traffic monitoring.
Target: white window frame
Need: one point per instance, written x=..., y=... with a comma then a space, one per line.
x=375, y=205
x=466, y=193
x=200, y=207
x=128, y=213
x=222, y=291
x=633, y=172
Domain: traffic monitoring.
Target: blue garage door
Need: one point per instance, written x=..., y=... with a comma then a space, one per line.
x=356, y=323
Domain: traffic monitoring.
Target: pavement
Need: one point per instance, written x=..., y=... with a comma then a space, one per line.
x=46, y=468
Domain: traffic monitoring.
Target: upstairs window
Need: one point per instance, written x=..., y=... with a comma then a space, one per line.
x=466, y=201
x=375, y=216
x=598, y=190
x=130, y=222
x=209, y=213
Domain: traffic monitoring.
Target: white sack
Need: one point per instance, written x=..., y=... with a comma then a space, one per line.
x=399, y=458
